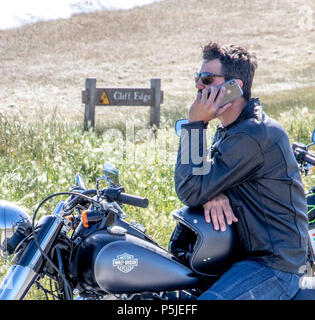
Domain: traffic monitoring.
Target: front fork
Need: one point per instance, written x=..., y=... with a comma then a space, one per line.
x=21, y=276
x=17, y=283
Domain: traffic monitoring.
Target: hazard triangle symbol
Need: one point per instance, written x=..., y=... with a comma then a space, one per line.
x=104, y=98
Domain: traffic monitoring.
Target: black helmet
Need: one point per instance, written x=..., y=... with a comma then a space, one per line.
x=211, y=251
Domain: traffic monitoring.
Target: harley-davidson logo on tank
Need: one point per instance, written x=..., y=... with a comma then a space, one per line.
x=125, y=262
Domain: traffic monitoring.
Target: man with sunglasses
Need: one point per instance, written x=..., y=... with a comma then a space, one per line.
x=251, y=180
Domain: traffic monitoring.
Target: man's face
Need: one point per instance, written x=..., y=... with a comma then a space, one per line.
x=213, y=66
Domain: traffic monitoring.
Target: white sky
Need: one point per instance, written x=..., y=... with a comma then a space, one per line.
x=15, y=13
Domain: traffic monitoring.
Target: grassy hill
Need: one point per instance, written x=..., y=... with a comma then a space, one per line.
x=44, y=66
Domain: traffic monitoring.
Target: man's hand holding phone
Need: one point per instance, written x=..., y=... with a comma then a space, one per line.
x=209, y=105
x=206, y=108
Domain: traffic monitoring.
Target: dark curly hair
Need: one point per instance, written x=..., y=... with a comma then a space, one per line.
x=236, y=63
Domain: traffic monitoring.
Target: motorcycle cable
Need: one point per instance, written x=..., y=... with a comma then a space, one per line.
x=36, y=240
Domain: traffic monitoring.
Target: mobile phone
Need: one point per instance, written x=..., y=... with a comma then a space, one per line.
x=233, y=91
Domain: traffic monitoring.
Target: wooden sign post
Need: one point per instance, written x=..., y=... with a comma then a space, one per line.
x=93, y=96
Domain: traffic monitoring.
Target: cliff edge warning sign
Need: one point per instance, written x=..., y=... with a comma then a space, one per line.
x=93, y=96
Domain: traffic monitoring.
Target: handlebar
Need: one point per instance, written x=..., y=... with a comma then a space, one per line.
x=303, y=155
x=113, y=194
x=133, y=200
x=77, y=199
x=117, y=194
x=310, y=159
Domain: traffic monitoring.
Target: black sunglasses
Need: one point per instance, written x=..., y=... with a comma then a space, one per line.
x=206, y=77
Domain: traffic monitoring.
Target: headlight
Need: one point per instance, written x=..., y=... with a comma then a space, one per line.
x=15, y=225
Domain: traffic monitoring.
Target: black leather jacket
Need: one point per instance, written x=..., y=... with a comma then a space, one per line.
x=253, y=164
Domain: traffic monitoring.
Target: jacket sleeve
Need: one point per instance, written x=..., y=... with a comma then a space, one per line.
x=198, y=180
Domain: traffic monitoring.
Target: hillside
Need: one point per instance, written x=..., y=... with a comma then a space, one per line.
x=44, y=66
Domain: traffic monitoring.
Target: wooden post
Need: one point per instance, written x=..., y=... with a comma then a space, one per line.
x=155, y=107
x=89, y=112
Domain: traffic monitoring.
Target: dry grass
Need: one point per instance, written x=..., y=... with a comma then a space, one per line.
x=44, y=66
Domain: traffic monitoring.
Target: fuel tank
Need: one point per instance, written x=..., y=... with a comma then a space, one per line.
x=124, y=263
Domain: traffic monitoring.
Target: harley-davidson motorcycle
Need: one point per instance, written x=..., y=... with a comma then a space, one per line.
x=88, y=250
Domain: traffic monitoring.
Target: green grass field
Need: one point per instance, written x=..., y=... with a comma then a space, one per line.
x=42, y=157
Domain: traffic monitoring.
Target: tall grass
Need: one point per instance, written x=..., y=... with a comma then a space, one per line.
x=42, y=157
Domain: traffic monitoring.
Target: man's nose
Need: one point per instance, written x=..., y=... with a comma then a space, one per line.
x=200, y=85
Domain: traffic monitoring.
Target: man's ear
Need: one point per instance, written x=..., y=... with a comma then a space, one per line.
x=240, y=82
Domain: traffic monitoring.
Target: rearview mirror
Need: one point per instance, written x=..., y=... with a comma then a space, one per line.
x=178, y=125
x=79, y=181
x=111, y=175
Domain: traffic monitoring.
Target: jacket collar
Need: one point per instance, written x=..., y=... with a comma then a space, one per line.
x=253, y=109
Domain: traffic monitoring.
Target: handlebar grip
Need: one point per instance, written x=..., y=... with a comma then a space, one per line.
x=309, y=159
x=133, y=200
x=303, y=155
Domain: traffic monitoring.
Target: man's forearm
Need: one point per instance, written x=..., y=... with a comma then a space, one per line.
x=237, y=160
x=191, y=162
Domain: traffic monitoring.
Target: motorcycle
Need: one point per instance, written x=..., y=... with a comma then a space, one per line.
x=91, y=252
